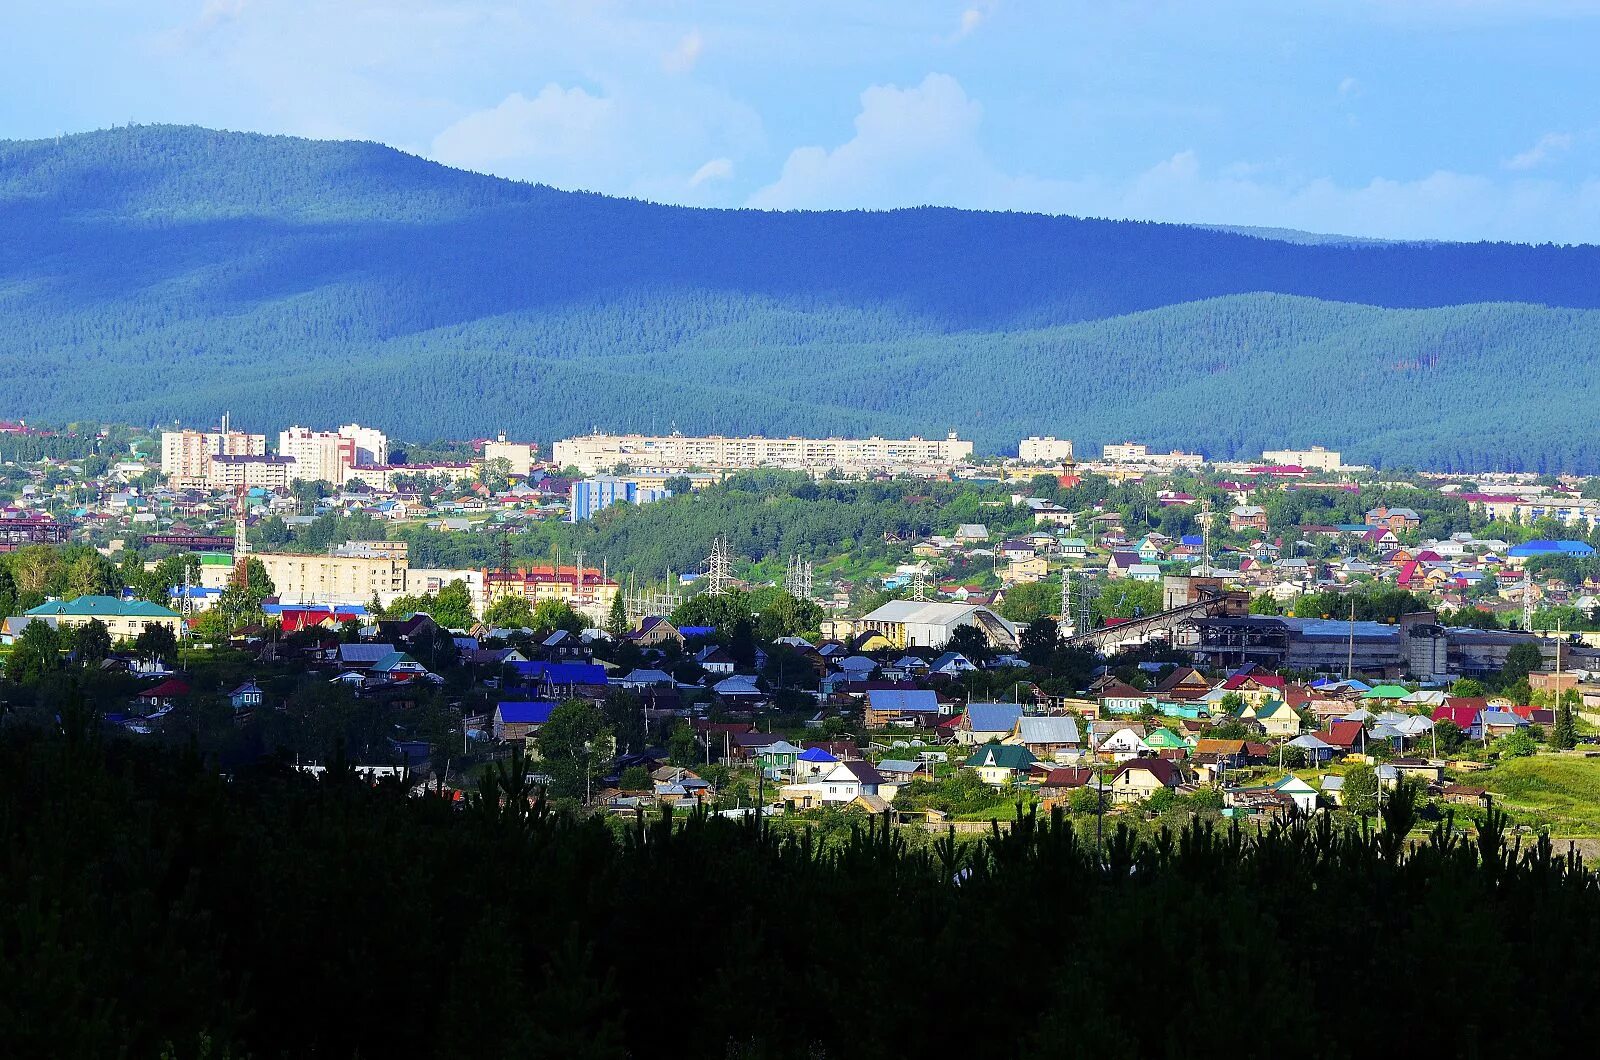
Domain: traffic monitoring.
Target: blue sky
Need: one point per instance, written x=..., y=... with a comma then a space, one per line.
x=1451, y=119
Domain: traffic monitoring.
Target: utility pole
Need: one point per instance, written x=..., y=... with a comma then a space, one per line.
x=719, y=568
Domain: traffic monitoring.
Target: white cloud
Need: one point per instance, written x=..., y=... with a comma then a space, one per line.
x=1349, y=86
x=1549, y=144
x=685, y=54
x=910, y=145
x=971, y=19
x=716, y=169
x=922, y=145
x=553, y=135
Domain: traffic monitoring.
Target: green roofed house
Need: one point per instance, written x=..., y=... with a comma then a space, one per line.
x=998, y=764
x=1393, y=693
x=1278, y=718
x=1165, y=740
x=123, y=619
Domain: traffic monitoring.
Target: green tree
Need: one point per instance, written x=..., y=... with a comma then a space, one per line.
x=36, y=652
x=1564, y=733
x=556, y=614
x=617, y=622
x=91, y=642
x=682, y=749
x=635, y=778
x=1521, y=660
x=91, y=574
x=1040, y=640
x=1360, y=794
x=972, y=642
x=1469, y=687
x=1031, y=601
x=576, y=746
x=156, y=641
x=452, y=607
x=509, y=612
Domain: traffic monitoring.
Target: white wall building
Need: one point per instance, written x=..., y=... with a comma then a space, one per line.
x=1046, y=450
x=1316, y=458
x=597, y=452
x=187, y=454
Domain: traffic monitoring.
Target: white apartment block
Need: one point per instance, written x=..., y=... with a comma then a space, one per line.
x=1314, y=459
x=1137, y=453
x=251, y=472
x=372, y=445
x=324, y=455
x=519, y=455
x=187, y=454
x=594, y=453
x=1046, y=450
x=335, y=579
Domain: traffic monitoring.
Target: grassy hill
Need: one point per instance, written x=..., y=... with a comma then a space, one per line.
x=152, y=273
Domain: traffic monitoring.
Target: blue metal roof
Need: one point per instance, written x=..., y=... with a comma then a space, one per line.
x=913, y=700
x=1545, y=548
x=526, y=712
x=993, y=717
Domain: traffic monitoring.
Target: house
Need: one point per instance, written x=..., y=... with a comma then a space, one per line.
x=1065, y=779
x=971, y=533
x=951, y=664
x=1397, y=520
x=398, y=667
x=842, y=785
x=1139, y=778
x=1183, y=683
x=1166, y=743
x=1122, y=745
x=521, y=719
x=739, y=691
x=887, y=707
x=999, y=764
x=983, y=722
x=1145, y=572
x=1247, y=517
x=1501, y=723
x=1117, y=697
x=1277, y=718
x=164, y=695
x=813, y=762
x=1465, y=795
x=713, y=660
x=655, y=631
x=1047, y=738
x=1345, y=737
x=246, y=697
x=1302, y=794
x=1121, y=564
x=361, y=657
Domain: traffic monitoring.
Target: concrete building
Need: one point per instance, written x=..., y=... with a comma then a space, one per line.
x=1046, y=450
x=346, y=576
x=186, y=455
x=386, y=477
x=592, y=495
x=518, y=455
x=602, y=452
x=372, y=445
x=1137, y=453
x=318, y=455
x=421, y=581
x=264, y=471
x=123, y=619
x=1316, y=458
x=588, y=591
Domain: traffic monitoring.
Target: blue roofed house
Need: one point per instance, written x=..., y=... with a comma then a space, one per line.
x=813, y=762
x=982, y=722
x=912, y=706
x=519, y=720
x=1520, y=554
x=246, y=697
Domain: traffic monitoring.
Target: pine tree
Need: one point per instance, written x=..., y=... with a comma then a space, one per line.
x=617, y=624
x=1565, y=731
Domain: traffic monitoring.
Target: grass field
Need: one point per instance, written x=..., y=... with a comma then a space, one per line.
x=1563, y=788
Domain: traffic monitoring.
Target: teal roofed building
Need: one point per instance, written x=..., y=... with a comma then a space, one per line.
x=123, y=619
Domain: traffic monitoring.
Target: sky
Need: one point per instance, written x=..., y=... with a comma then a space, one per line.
x=1411, y=119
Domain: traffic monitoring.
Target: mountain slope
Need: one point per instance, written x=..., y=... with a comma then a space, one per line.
x=158, y=272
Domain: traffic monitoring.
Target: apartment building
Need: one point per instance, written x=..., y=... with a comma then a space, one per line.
x=372, y=445
x=251, y=472
x=1138, y=453
x=592, y=495
x=345, y=576
x=602, y=452
x=588, y=590
x=318, y=455
x=1314, y=459
x=519, y=456
x=1046, y=450
x=186, y=455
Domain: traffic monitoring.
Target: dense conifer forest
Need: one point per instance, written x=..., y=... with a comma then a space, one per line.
x=154, y=908
x=155, y=273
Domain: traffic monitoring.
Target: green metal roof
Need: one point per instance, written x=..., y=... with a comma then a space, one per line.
x=103, y=607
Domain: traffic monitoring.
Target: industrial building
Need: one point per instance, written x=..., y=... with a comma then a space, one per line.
x=926, y=624
x=592, y=495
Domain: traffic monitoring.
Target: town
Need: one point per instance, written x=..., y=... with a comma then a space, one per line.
x=1145, y=636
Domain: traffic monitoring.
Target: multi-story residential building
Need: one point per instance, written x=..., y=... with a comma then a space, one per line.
x=372, y=445
x=350, y=574
x=186, y=455
x=318, y=455
x=265, y=472
x=385, y=477
x=592, y=495
x=1314, y=459
x=1138, y=453
x=1046, y=450
x=589, y=590
x=519, y=456
x=601, y=452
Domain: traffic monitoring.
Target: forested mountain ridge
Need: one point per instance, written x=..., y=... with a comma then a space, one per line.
x=159, y=272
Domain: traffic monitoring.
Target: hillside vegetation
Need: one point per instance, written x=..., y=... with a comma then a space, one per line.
x=158, y=273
